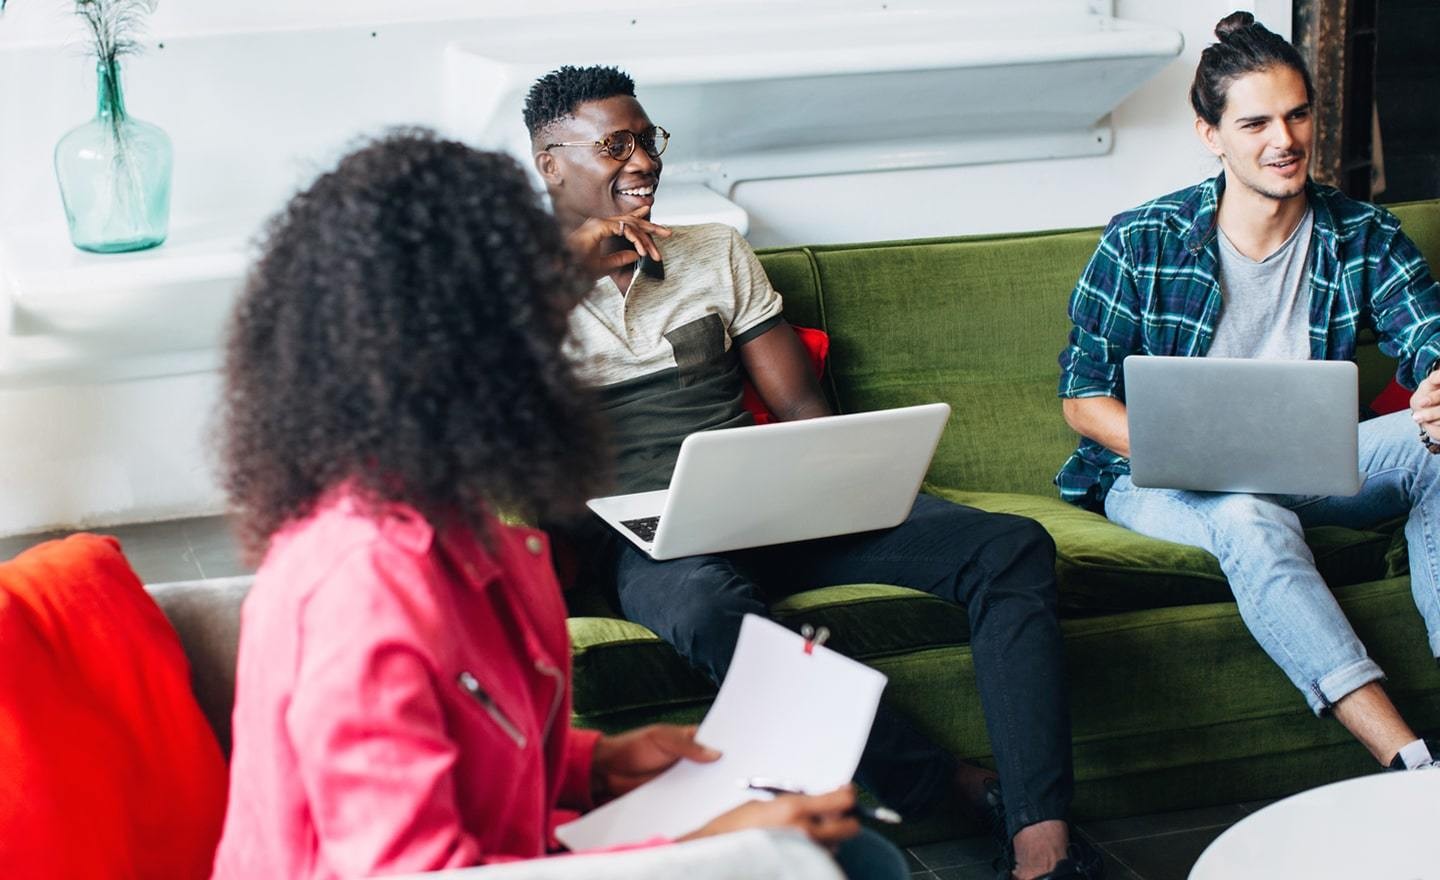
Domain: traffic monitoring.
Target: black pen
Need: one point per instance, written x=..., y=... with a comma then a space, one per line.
x=779, y=787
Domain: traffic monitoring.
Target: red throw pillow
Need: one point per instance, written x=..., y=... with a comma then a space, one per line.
x=817, y=346
x=1394, y=398
x=107, y=766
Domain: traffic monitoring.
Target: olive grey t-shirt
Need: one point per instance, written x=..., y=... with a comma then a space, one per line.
x=1266, y=303
x=664, y=355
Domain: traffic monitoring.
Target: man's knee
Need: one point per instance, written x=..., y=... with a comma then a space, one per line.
x=1018, y=556
x=695, y=604
x=1022, y=539
x=1240, y=513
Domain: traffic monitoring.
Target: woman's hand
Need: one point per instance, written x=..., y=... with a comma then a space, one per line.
x=633, y=758
x=591, y=242
x=828, y=819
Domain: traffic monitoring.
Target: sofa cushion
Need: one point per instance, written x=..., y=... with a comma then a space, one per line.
x=109, y=768
x=1103, y=567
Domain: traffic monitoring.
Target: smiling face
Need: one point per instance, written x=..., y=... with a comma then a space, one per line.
x=1265, y=134
x=584, y=181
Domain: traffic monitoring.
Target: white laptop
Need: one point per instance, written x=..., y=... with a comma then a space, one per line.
x=790, y=481
x=1242, y=425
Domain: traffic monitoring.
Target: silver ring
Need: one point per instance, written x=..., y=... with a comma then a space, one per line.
x=622, y=227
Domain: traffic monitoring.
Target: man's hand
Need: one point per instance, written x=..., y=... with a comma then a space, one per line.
x=592, y=242
x=826, y=818
x=1425, y=405
x=633, y=758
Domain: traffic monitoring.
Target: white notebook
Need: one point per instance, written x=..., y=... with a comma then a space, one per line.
x=782, y=713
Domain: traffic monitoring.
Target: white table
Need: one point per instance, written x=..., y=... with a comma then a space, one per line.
x=1380, y=827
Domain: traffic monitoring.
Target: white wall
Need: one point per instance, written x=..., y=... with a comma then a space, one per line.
x=126, y=451
x=1155, y=152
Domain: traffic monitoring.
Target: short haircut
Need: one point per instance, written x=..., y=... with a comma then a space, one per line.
x=556, y=94
x=1245, y=46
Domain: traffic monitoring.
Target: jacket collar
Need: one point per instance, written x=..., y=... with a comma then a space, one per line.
x=1197, y=218
x=475, y=565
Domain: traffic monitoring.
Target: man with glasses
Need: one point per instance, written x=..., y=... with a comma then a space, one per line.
x=666, y=350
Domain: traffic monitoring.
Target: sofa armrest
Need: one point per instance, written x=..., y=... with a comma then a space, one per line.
x=206, y=616
x=759, y=854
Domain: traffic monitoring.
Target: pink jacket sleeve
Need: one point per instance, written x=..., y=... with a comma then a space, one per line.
x=579, y=757
x=373, y=752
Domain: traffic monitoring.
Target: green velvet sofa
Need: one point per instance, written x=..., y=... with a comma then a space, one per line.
x=1174, y=705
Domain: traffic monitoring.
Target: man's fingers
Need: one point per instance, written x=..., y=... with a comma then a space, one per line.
x=638, y=238
x=611, y=262
x=1420, y=401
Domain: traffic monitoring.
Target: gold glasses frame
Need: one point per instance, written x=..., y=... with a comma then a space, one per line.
x=620, y=145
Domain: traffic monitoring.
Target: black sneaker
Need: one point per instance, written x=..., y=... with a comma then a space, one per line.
x=1082, y=862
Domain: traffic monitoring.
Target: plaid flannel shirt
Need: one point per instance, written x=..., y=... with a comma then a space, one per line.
x=1151, y=288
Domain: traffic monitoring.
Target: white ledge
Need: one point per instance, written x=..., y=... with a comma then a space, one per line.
x=67, y=316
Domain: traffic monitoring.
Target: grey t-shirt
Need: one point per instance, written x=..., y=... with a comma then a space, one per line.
x=665, y=355
x=1266, y=303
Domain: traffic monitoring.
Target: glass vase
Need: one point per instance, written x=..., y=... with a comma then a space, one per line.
x=114, y=174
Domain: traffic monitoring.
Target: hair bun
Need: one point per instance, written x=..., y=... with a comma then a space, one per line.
x=1232, y=23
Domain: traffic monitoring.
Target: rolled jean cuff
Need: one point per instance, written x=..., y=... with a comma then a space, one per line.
x=1435, y=645
x=1017, y=821
x=1342, y=682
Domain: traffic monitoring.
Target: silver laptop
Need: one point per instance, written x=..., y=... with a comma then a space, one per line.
x=1242, y=425
x=791, y=481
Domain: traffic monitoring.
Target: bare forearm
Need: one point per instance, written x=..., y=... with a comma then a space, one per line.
x=1102, y=419
x=780, y=369
x=808, y=407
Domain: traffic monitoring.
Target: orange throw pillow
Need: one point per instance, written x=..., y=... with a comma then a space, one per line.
x=107, y=766
x=817, y=346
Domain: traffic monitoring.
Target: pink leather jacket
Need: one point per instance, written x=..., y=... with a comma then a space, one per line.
x=402, y=702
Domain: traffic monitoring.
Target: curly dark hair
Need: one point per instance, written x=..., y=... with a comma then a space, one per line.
x=402, y=332
x=556, y=94
x=1245, y=46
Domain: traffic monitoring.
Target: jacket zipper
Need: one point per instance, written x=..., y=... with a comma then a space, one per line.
x=559, y=677
x=471, y=685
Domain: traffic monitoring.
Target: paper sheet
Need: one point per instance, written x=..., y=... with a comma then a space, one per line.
x=781, y=713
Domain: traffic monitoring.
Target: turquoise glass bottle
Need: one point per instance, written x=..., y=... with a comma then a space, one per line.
x=114, y=173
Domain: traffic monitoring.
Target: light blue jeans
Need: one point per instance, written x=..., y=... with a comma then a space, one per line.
x=1260, y=542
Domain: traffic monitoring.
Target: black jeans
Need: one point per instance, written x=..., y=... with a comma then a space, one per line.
x=1000, y=568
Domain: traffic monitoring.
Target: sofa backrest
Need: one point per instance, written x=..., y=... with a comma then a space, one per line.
x=977, y=322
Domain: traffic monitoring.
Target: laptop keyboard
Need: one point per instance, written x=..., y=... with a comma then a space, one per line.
x=643, y=528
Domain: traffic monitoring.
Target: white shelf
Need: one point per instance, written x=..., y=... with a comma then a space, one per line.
x=67, y=316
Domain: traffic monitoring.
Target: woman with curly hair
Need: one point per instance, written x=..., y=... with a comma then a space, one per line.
x=393, y=380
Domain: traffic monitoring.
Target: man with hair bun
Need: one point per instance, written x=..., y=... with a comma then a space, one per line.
x=1262, y=262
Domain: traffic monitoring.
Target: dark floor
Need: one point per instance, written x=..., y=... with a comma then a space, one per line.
x=1158, y=847
x=1162, y=846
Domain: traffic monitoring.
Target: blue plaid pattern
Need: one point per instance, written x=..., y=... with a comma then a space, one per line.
x=1151, y=288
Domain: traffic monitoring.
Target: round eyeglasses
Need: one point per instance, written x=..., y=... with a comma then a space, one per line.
x=619, y=145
